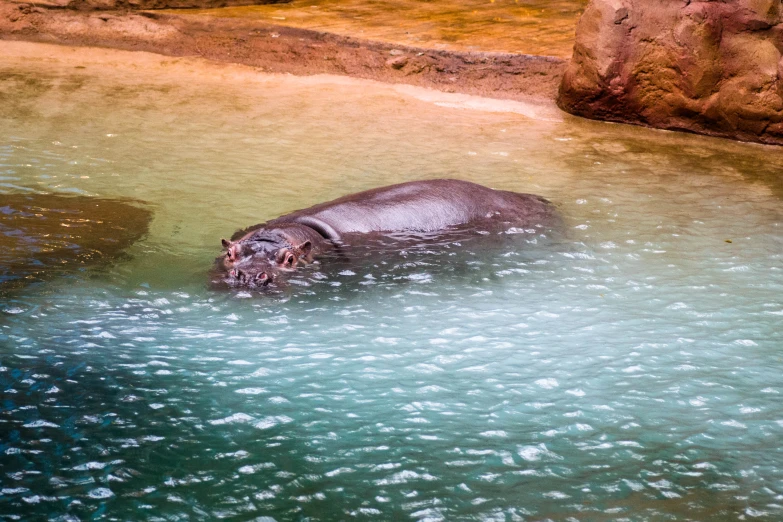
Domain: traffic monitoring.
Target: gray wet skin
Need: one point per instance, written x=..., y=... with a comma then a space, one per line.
x=257, y=256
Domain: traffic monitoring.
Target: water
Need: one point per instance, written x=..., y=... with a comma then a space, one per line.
x=44, y=236
x=628, y=370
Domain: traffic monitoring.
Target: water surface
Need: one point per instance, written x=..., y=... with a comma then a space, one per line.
x=48, y=235
x=628, y=370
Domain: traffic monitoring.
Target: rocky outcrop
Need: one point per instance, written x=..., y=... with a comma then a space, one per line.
x=705, y=66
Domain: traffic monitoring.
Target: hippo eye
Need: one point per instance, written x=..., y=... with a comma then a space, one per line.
x=289, y=260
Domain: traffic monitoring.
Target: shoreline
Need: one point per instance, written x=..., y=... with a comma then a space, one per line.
x=282, y=49
x=198, y=71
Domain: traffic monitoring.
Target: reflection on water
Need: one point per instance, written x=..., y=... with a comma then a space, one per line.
x=541, y=27
x=627, y=370
x=42, y=235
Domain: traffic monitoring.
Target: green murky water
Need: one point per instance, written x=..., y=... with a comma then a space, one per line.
x=628, y=370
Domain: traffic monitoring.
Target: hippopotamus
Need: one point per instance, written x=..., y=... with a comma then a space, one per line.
x=259, y=255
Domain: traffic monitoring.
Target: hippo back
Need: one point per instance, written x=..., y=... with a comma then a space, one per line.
x=424, y=206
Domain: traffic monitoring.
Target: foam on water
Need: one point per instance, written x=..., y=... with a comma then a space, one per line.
x=628, y=368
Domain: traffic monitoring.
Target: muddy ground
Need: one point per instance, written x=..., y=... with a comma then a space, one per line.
x=280, y=49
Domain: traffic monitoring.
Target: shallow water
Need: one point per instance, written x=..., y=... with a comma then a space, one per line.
x=48, y=235
x=628, y=369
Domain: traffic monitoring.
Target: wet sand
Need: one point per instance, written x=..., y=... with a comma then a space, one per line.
x=279, y=49
x=538, y=27
x=200, y=73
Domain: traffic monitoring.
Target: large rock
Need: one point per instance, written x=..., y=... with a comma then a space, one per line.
x=712, y=67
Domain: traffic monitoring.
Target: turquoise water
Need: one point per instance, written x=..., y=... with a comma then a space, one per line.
x=628, y=369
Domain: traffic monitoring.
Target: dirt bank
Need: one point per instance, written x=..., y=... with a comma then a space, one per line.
x=113, y=5
x=289, y=50
x=538, y=27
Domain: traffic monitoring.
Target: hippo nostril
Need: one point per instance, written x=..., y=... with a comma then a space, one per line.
x=264, y=278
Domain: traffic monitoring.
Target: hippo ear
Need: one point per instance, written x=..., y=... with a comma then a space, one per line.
x=304, y=249
x=226, y=243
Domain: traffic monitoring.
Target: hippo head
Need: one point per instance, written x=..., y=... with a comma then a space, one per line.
x=259, y=259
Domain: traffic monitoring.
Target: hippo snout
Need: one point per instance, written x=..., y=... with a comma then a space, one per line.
x=239, y=277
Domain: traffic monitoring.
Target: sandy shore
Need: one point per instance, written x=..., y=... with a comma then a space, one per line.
x=538, y=27
x=278, y=49
x=126, y=67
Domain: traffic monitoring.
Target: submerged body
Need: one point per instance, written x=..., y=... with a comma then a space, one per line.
x=255, y=256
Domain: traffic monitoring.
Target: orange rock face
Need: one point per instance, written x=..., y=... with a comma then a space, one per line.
x=696, y=65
